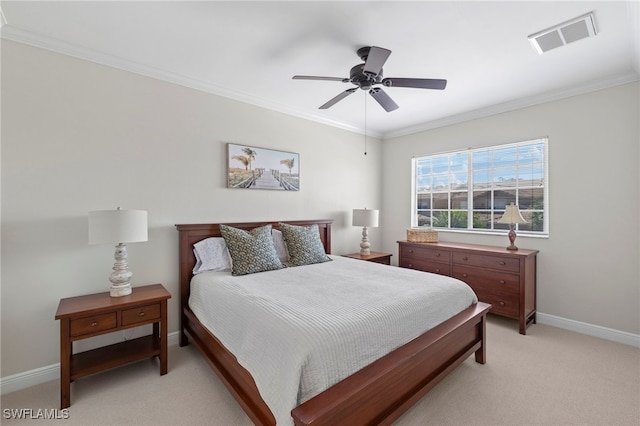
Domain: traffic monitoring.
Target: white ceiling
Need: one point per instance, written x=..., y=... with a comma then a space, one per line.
x=250, y=50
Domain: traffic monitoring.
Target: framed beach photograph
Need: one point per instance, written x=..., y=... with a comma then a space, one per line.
x=250, y=167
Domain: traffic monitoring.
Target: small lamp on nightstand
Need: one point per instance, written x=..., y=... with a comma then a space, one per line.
x=512, y=216
x=118, y=227
x=366, y=219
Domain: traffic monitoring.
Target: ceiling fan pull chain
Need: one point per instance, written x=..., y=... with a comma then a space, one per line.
x=365, y=125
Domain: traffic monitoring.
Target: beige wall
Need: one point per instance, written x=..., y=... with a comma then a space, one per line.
x=77, y=136
x=588, y=267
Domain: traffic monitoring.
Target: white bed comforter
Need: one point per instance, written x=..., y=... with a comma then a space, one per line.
x=300, y=330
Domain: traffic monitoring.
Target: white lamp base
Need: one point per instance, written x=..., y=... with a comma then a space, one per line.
x=364, y=245
x=120, y=290
x=120, y=277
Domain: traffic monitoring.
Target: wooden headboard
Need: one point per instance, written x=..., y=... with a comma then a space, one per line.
x=192, y=233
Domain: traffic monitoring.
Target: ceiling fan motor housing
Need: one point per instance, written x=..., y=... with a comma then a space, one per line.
x=363, y=80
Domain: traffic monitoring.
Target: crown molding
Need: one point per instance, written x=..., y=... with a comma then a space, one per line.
x=514, y=105
x=9, y=32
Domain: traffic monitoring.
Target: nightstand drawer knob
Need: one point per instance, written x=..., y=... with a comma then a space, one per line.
x=410, y=251
x=410, y=265
x=141, y=314
x=437, y=254
x=465, y=258
x=438, y=270
x=502, y=281
x=501, y=303
x=502, y=263
x=465, y=275
x=94, y=324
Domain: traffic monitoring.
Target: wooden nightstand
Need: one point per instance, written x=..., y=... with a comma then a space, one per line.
x=375, y=256
x=94, y=314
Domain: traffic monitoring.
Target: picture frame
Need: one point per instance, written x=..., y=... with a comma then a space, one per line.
x=251, y=167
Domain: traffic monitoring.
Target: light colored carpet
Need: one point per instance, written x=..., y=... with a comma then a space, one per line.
x=548, y=377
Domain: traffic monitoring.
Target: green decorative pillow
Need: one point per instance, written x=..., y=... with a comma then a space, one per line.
x=303, y=244
x=251, y=251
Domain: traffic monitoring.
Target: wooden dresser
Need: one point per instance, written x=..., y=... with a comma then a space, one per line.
x=505, y=279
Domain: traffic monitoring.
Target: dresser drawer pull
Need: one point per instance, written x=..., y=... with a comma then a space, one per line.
x=502, y=263
x=502, y=281
x=437, y=254
x=438, y=270
x=410, y=265
x=465, y=258
x=410, y=251
x=464, y=275
x=94, y=324
x=141, y=314
x=501, y=303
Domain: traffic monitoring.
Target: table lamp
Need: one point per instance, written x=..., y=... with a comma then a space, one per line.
x=366, y=219
x=512, y=216
x=118, y=227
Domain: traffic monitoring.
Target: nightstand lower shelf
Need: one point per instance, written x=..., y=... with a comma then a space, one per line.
x=99, y=359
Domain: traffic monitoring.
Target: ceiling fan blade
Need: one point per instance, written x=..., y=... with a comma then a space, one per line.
x=313, y=77
x=417, y=83
x=338, y=98
x=383, y=99
x=375, y=60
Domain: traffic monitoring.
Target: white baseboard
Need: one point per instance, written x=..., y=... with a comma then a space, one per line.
x=20, y=381
x=51, y=372
x=590, y=329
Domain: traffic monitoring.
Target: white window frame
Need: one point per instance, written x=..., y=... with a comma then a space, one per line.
x=494, y=211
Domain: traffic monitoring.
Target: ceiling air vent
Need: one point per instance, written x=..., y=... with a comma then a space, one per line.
x=575, y=29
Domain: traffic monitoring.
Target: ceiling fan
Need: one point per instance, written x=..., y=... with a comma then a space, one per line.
x=369, y=74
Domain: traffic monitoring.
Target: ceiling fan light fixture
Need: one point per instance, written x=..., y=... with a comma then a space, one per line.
x=562, y=34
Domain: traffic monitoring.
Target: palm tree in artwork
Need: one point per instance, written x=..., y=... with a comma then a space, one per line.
x=244, y=160
x=251, y=155
x=288, y=163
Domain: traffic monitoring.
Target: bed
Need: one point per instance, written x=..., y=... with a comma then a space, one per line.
x=376, y=394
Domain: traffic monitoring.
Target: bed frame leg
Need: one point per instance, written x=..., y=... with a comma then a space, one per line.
x=481, y=354
x=184, y=340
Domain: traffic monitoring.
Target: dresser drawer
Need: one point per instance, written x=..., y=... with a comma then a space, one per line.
x=506, y=306
x=141, y=314
x=489, y=279
x=486, y=261
x=501, y=290
x=93, y=324
x=424, y=253
x=421, y=265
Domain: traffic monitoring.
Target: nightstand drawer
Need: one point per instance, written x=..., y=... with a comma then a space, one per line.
x=483, y=261
x=141, y=314
x=93, y=324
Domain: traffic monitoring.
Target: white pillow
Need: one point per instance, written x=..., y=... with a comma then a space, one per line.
x=211, y=255
x=281, y=247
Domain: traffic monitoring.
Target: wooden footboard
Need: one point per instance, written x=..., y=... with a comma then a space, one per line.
x=382, y=391
x=377, y=394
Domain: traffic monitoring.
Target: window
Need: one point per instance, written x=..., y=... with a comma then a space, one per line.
x=468, y=190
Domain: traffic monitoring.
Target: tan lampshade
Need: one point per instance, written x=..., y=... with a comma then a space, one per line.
x=117, y=226
x=512, y=215
x=366, y=218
